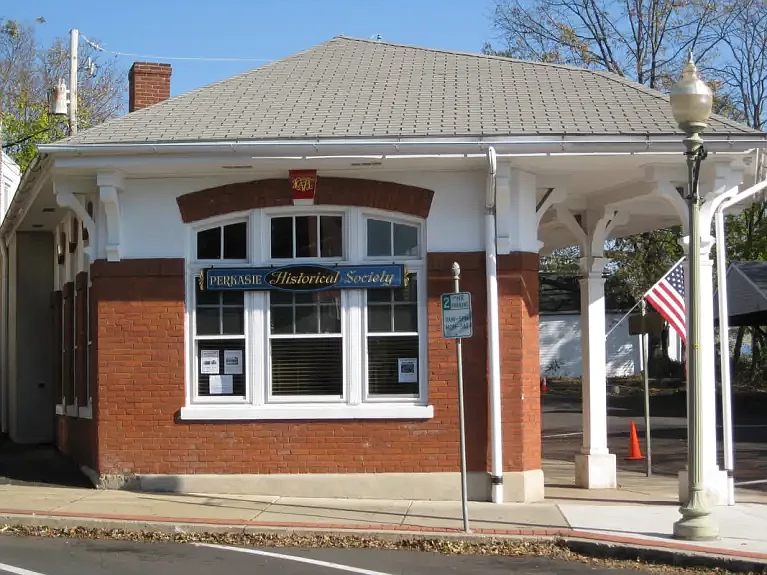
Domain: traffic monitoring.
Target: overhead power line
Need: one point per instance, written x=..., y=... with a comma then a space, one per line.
x=100, y=48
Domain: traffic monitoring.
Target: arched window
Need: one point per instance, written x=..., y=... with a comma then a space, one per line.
x=278, y=328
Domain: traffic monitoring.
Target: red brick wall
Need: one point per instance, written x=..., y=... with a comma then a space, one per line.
x=148, y=84
x=140, y=389
x=520, y=367
x=244, y=196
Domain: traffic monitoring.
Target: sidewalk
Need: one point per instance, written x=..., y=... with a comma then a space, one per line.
x=640, y=514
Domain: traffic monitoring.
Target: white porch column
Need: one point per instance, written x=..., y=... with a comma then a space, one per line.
x=595, y=466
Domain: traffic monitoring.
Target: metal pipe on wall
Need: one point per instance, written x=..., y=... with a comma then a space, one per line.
x=493, y=334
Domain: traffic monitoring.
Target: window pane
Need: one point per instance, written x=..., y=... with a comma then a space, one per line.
x=406, y=318
x=207, y=297
x=307, y=318
x=208, y=321
x=379, y=238
x=379, y=319
x=209, y=244
x=408, y=292
x=233, y=298
x=282, y=237
x=224, y=384
x=312, y=366
x=280, y=297
x=384, y=354
x=405, y=240
x=306, y=237
x=282, y=320
x=379, y=295
x=331, y=236
x=236, y=241
x=304, y=297
x=330, y=319
x=234, y=321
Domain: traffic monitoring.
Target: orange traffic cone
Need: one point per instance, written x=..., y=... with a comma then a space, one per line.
x=544, y=385
x=635, y=452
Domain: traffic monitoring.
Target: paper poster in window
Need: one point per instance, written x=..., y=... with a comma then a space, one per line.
x=221, y=385
x=407, y=370
x=233, y=361
x=209, y=362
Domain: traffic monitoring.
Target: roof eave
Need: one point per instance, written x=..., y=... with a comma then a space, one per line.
x=31, y=182
x=523, y=144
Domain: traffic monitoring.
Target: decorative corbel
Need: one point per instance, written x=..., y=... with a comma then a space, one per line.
x=592, y=233
x=66, y=199
x=552, y=197
x=110, y=184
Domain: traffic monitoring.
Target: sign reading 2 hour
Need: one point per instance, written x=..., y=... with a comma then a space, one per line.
x=300, y=278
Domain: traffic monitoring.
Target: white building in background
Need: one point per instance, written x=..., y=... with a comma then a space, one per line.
x=10, y=176
x=560, y=334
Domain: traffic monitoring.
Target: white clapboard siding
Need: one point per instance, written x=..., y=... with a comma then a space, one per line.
x=560, y=346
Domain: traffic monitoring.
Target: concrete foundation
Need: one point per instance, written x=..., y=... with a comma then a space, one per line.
x=520, y=487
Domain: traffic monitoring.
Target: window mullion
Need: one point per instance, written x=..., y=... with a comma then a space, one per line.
x=354, y=344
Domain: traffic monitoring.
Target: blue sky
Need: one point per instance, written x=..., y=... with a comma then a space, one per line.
x=266, y=29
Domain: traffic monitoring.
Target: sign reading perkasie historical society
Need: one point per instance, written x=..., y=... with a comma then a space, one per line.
x=303, y=278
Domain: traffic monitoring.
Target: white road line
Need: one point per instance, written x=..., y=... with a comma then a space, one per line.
x=17, y=570
x=316, y=562
x=563, y=435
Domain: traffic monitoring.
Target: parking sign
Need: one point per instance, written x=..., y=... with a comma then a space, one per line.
x=456, y=315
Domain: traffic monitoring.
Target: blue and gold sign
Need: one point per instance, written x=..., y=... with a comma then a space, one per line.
x=303, y=277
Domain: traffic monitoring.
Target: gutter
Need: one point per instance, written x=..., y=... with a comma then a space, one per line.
x=493, y=333
x=502, y=145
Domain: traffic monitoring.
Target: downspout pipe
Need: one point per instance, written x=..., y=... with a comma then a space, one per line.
x=493, y=333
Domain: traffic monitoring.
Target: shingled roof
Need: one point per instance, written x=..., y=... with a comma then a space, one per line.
x=351, y=88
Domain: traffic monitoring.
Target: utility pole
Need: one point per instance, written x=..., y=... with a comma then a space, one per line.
x=74, y=40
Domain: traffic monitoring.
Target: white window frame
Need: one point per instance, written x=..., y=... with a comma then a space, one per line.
x=259, y=403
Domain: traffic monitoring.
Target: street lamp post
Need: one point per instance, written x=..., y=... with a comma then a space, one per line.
x=691, y=101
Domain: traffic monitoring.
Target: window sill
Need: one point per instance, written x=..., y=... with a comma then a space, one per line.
x=271, y=412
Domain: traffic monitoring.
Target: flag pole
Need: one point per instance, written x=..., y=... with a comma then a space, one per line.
x=621, y=320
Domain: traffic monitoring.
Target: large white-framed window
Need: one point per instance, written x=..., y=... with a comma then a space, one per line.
x=300, y=353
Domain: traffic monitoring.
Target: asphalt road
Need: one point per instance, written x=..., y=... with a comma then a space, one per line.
x=33, y=556
x=562, y=436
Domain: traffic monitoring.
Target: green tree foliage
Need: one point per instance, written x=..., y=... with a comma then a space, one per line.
x=29, y=69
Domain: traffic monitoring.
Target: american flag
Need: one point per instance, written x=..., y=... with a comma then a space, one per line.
x=667, y=297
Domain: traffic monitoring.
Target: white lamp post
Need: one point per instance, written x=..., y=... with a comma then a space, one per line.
x=691, y=101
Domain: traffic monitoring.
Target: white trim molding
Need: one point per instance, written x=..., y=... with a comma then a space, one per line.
x=308, y=412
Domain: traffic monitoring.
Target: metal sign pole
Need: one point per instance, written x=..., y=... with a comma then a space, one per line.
x=461, y=420
x=645, y=341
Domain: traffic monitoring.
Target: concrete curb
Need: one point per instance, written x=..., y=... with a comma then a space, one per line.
x=581, y=542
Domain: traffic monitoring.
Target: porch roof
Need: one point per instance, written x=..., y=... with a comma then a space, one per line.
x=746, y=294
x=352, y=88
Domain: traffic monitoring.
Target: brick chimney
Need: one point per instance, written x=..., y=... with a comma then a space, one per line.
x=148, y=84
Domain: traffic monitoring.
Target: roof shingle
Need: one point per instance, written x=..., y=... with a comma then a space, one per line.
x=351, y=88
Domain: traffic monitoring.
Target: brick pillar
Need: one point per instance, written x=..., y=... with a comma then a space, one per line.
x=443, y=366
x=520, y=371
x=148, y=84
